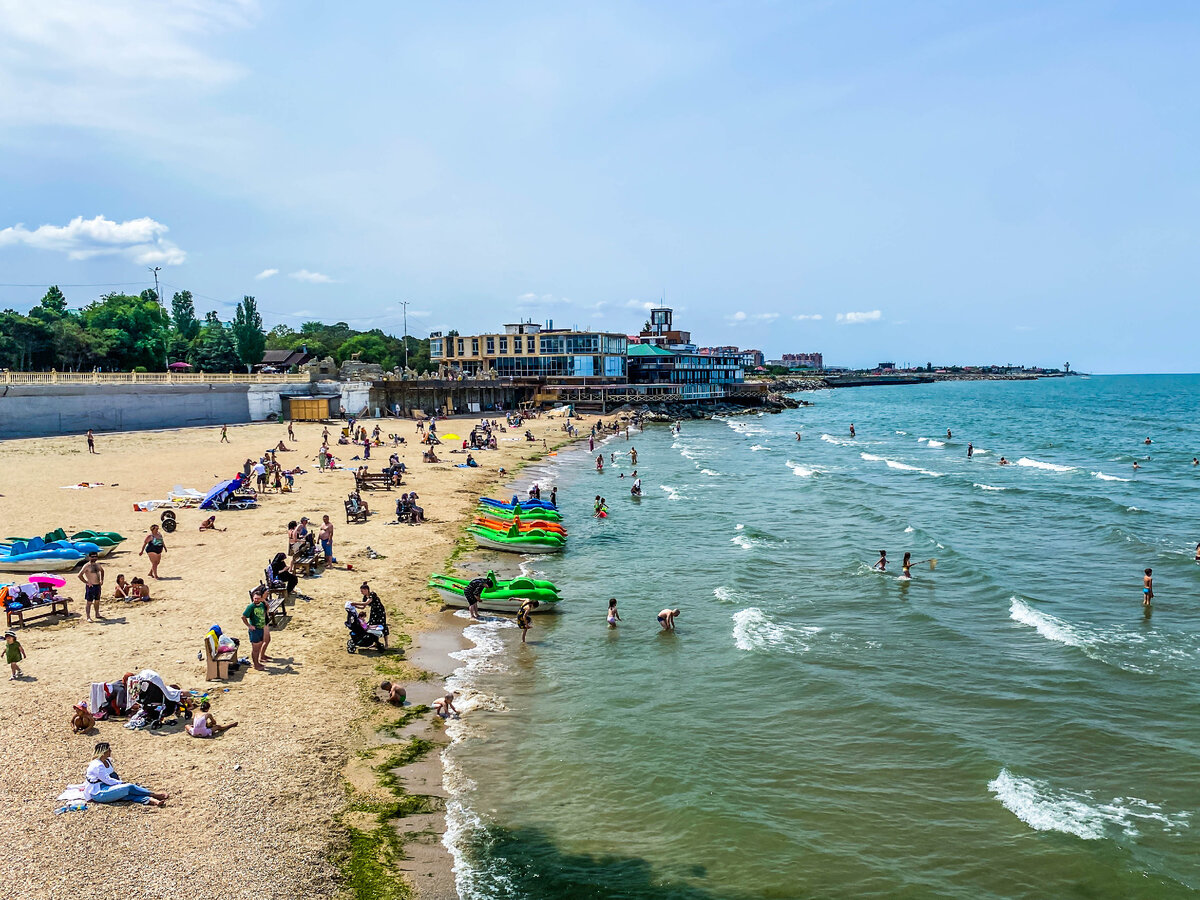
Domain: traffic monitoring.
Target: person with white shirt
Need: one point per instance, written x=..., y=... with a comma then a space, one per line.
x=103, y=785
x=260, y=472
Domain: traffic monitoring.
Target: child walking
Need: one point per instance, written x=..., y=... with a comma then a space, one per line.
x=13, y=653
x=613, y=616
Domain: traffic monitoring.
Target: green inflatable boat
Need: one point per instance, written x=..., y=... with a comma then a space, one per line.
x=527, y=515
x=533, y=541
x=506, y=596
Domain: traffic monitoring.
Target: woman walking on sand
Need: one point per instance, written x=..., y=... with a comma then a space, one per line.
x=154, y=547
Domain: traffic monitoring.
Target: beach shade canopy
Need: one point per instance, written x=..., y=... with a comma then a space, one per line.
x=451, y=437
x=179, y=365
x=215, y=495
x=47, y=578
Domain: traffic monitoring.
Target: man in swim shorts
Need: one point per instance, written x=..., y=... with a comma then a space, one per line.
x=1147, y=587
x=92, y=576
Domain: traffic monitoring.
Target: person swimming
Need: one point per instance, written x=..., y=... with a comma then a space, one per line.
x=906, y=567
x=970, y=450
x=851, y=429
x=1003, y=461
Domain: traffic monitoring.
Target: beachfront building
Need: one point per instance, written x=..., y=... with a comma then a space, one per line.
x=663, y=360
x=527, y=350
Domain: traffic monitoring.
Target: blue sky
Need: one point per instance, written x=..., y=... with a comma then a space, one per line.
x=955, y=182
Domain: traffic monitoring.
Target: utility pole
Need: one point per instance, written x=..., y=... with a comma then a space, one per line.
x=157, y=293
x=404, y=303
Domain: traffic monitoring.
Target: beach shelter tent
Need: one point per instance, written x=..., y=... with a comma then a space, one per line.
x=219, y=492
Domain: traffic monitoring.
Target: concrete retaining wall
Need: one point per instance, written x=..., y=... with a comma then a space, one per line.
x=40, y=410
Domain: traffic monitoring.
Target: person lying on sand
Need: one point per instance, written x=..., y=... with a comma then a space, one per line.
x=204, y=724
x=210, y=524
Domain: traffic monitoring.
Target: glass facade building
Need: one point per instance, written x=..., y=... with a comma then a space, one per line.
x=530, y=351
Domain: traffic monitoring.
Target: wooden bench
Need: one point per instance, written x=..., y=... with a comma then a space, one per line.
x=276, y=603
x=354, y=513
x=372, y=481
x=57, y=607
x=216, y=668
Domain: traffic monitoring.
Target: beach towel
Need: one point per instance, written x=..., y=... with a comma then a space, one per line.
x=98, y=697
x=73, y=794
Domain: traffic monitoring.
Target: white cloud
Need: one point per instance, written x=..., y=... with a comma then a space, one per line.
x=265, y=274
x=419, y=313
x=859, y=318
x=310, y=277
x=90, y=63
x=806, y=318
x=140, y=240
x=740, y=317
x=639, y=304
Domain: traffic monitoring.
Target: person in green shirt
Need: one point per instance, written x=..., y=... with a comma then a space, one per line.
x=255, y=618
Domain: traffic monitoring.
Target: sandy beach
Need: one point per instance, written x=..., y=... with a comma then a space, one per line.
x=269, y=808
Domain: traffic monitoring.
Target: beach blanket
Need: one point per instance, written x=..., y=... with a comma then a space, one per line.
x=149, y=675
x=82, y=485
x=73, y=794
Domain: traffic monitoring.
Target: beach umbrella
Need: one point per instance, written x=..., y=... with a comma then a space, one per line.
x=179, y=365
x=451, y=437
x=46, y=578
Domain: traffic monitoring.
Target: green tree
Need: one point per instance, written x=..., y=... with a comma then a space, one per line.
x=183, y=315
x=138, y=325
x=54, y=301
x=371, y=348
x=214, y=350
x=281, y=337
x=248, y=333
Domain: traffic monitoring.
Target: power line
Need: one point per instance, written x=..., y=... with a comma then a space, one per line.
x=47, y=284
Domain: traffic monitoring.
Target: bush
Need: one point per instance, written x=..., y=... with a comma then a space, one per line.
x=140, y=369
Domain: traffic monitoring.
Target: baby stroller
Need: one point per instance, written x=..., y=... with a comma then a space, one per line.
x=360, y=637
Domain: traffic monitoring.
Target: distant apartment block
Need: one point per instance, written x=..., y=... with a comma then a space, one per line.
x=750, y=359
x=803, y=361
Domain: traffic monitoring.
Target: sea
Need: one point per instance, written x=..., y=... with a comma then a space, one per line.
x=1011, y=722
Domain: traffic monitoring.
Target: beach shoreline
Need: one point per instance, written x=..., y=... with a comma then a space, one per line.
x=292, y=773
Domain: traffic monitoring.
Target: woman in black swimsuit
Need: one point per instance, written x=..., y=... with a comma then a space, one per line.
x=154, y=548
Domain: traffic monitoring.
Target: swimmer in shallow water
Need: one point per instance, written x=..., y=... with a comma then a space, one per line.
x=667, y=618
x=970, y=450
x=613, y=616
x=1003, y=461
x=1148, y=587
x=881, y=563
x=906, y=567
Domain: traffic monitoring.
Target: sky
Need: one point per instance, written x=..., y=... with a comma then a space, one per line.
x=943, y=182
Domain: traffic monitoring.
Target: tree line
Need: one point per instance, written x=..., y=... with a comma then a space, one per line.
x=135, y=332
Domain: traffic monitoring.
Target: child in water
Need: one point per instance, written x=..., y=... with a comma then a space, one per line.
x=613, y=616
x=881, y=563
x=906, y=567
x=1148, y=587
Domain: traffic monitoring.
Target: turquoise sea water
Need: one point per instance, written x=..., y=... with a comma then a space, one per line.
x=1009, y=724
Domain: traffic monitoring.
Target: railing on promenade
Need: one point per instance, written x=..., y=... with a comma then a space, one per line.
x=52, y=377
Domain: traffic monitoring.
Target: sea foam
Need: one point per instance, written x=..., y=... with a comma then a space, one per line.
x=1038, y=464
x=1045, y=808
x=830, y=439
x=988, y=487
x=754, y=630
x=1104, y=477
x=802, y=471
x=894, y=464
x=672, y=493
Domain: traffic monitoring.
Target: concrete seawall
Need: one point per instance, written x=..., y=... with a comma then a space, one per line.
x=50, y=409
